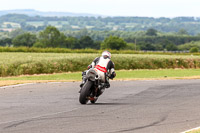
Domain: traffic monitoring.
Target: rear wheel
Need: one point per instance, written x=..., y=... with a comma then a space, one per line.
x=85, y=92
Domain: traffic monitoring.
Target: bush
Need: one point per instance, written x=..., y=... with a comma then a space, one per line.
x=194, y=50
x=13, y=64
x=26, y=39
x=113, y=42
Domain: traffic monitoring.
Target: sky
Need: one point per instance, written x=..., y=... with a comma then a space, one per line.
x=142, y=8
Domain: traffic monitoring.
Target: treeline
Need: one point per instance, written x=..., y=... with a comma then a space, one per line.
x=24, y=18
x=190, y=24
x=150, y=41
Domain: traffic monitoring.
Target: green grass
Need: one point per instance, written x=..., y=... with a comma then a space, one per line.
x=130, y=74
x=195, y=131
x=18, y=63
x=158, y=74
x=60, y=76
x=13, y=57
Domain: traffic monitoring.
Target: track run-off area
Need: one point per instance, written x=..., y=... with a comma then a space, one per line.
x=153, y=106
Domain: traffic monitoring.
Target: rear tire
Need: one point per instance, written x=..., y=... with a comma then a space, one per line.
x=85, y=92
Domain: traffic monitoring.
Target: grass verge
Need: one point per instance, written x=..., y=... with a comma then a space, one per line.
x=159, y=74
x=193, y=131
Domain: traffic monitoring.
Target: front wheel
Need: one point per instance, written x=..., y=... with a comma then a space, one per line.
x=94, y=101
x=85, y=92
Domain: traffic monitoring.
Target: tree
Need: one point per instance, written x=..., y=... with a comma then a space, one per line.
x=38, y=45
x=39, y=28
x=86, y=42
x=168, y=45
x=171, y=47
x=188, y=46
x=97, y=45
x=158, y=47
x=182, y=32
x=82, y=32
x=51, y=37
x=194, y=50
x=147, y=46
x=72, y=43
x=151, y=32
x=131, y=46
x=113, y=42
x=29, y=28
x=5, y=42
x=26, y=39
x=66, y=27
x=16, y=32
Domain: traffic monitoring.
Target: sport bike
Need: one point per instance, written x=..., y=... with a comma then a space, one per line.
x=93, y=86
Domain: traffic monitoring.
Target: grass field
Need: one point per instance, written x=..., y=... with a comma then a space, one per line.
x=194, y=131
x=161, y=74
x=121, y=75
x=53, y=23
x=197, y=131
x=13, y=64
x=8, y=58
x=14, y=25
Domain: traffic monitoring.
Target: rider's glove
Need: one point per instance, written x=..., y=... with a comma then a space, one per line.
x=112, y=75
x=90, y=66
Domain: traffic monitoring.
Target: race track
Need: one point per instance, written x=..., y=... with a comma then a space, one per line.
x=153, y=106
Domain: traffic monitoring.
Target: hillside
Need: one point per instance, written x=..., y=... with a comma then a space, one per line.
x=32, y=12
x=68, y=23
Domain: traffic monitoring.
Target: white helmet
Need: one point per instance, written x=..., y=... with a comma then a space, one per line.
x=106, y=55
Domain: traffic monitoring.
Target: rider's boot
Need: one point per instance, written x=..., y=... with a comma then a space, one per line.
x=81, y=85
x=107, y=84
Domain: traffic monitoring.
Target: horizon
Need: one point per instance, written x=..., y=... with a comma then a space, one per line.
x=84, y=13
x=125, y=8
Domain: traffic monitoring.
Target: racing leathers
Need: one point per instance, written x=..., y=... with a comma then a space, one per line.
x=103, y=66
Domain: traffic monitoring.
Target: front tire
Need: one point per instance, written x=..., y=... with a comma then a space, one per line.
x=94, y=101
x=85, y=92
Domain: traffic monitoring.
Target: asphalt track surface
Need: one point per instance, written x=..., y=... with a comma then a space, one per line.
x=153, y=106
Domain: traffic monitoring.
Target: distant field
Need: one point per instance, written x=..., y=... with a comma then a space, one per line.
x=57, y=24
x=35, y=23
x=14, y=25
x=53, y=23
x=12, y=64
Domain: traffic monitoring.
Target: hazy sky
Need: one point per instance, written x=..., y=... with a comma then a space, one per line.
x=150, y=8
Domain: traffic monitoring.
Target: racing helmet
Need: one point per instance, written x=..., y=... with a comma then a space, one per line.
x=106, y=54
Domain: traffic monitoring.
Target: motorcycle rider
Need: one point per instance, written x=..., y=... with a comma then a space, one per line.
x=103, y=65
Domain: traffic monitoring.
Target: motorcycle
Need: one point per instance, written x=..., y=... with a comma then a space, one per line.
x=92, y=86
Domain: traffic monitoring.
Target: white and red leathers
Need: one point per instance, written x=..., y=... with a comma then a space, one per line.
x=102, y=66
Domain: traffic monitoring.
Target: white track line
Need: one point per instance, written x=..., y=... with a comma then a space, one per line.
x=191, y=130
x=9, y=86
